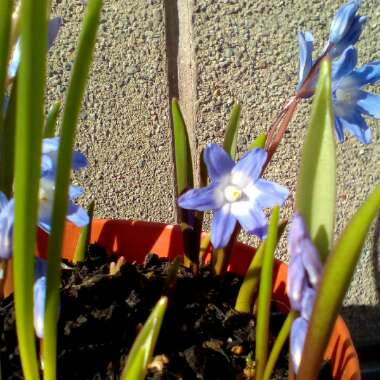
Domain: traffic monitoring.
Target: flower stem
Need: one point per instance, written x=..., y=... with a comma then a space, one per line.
x=265, y=292
x=279, y=344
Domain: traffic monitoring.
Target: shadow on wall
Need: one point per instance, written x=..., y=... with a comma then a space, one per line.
x=364, y=320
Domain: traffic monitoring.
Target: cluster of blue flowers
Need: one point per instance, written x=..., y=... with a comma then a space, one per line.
x=350, y=101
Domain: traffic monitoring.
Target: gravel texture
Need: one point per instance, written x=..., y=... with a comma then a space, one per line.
x=244, y=50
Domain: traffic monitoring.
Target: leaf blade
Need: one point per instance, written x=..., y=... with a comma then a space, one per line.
x=316, y=188
x=231, y=135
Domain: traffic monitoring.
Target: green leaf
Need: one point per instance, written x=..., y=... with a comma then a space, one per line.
x=249, y=286
x=69, y=122
x=183, y=163
x=259, y=142
x=7, y=144
x=265, y=295
x=5, y=32
x=51, y=121
x=84, y=237
x=143, y=347
x=316, y=189
x=336, y=278
x=30, y=121
x=230, y=138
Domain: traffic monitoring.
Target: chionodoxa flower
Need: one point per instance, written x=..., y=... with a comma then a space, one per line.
x=236, y=194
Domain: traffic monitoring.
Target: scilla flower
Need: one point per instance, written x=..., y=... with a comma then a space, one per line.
x=236, y=194
x=304, y=273
x=350, y=101
x=346, y=27
x=50, y=154
x=305, y=42
x=6, y=226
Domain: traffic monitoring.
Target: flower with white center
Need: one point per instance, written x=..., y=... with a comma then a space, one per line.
x=350, y=101
x=304, y=273
x=236, y=194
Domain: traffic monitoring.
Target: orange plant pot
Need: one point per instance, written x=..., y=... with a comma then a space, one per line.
x=134, y=239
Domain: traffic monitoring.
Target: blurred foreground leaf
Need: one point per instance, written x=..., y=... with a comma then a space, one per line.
x=316, y=189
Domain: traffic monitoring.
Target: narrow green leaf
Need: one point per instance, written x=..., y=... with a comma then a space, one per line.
x=249, y=286
x=7, y=144
x=316, y=189
x=69, y=122
x=30, y=121
x=183, y=163
x=143, y=347
x=265, y=295
x=84, y=237
x=230, y=138
x=6, y=8
x=51, y=120
x=336, y=278
x=279, y=344
x=259, y=142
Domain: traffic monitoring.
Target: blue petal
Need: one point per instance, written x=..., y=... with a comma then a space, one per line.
x=251, y=218
x=345, y=64
x=305, y=42
x=47, y=166
x=44, y=222
x=250, y=165
x=357, y=126
x=50, y=145
x=218, y=162
x=270, y=193
x=77, y=215
x=75, y=192
x=206, y=198
x=296, y=281
x=79, y=161
x=39, y=291
x=41, y=268
x=53, y=29
x=308, y=299
x=3, y=200
x=6, y=230
x=297, y=341
x=311, y=261
x=15, y=60
x=369, y=104
x=339, y=129
x=351, y=37
x=343, y=20
x=222, y=226
x=367, y=74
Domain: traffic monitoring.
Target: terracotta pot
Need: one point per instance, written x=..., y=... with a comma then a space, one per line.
x=134, y=239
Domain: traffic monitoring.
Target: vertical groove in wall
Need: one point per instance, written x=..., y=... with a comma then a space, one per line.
x=181, y=69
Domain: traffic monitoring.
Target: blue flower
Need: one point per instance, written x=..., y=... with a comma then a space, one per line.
x=236, y=193
x=304, y=273
x=50, y=154
x=39, y=292
x=53, y=29
x=306, y=45
x=346, y=27
x=6, y=226
x=75, y=214
x=349, y=100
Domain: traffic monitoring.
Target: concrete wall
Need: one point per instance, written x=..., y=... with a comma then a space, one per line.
x=209, y=54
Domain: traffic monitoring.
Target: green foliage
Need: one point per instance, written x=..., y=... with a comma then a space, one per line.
x=51, y=120
x=230, y=138
x=84, y=237
x=316, y=189
x=142, y=349
x=183, y=163
x=259, y=142
x=265, y=295
x=29, y=120
x=69, y=122
x=335, y=281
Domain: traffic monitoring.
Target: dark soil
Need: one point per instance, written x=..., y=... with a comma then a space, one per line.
x=202, y=337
